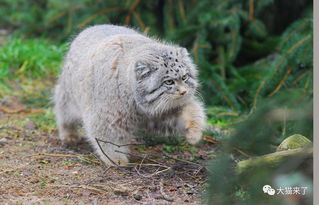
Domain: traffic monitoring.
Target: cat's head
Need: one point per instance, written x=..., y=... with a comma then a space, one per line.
x=165, y=78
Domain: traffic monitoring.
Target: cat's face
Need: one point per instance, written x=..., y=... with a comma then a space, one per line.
x=165, y=80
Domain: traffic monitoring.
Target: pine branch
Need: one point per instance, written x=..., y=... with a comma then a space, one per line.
x=281, y=83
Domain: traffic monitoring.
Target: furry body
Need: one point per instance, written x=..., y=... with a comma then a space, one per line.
x=116, y=81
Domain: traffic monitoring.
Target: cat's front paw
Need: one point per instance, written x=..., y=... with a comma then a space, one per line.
x=193, y=136
x=119, y=160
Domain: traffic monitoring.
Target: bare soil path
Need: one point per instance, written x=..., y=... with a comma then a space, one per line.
x=36, y=169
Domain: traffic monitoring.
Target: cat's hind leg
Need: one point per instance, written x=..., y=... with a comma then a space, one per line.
x=67, y=117
x=109, y=140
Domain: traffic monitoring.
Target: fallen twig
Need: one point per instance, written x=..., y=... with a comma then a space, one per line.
x=56, y=155
x=17, y=111
x=165, y=197
x=14, y=169
x=183, y=160
x=213, y=141
x=121, y=145
x=241, y=152
x=9, y=128
x=141, y=162
x=197, y=171
x=134, y=155
x=151, y=165
x=85, y=158
x=78, y=187
x=98, y=143
x=143, y=175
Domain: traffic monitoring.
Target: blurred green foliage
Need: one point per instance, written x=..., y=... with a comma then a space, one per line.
x=260, y=134
x=31, y=58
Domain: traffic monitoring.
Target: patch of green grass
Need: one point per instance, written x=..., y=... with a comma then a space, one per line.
x=88, y=160
x=151, y=139
x=68, y=163
x=140, y=148
x=47, y=201
x=169, y=148
x=222, y=117
x=43, y=183
x=32, y=58
x=182, y=146
x=45, y=121
x=16, y=174
x=37, y=99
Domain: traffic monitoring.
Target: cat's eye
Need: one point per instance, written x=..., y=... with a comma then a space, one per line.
x=169, y=82
x=184, y=77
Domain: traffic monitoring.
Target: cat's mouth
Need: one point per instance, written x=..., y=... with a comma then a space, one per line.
x=166, y=103
x=179, y=96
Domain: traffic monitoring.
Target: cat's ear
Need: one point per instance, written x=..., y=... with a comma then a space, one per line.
x=142, y=69
x=184, y=52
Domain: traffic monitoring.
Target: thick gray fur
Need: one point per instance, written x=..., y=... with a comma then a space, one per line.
x=116, y=81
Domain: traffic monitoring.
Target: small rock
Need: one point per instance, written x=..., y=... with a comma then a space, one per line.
x=10, y=137
x=34, y=181
x=293, y=142
x=121, y=193
x=156, y=195
x=29, y=126
x=3, y=141
x=137, y=197
x=27, y=173
x=188, y=154
x=153, y=189
x=86, y=193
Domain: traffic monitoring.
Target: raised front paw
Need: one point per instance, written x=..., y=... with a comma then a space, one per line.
x=193, y=136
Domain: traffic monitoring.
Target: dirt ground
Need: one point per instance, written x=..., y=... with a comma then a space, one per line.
x=36, y=169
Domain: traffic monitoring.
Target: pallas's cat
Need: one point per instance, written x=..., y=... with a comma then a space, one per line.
x=116, y=81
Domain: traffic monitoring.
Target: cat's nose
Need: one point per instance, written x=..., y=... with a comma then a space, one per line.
x=182, y=92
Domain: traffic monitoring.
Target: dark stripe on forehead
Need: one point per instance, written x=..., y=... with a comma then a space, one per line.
x=190, y=82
